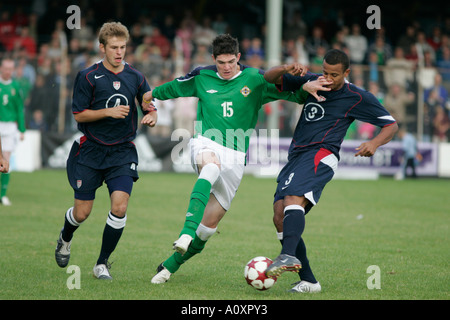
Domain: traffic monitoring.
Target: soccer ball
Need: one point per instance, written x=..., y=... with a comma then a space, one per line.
x=254, y=273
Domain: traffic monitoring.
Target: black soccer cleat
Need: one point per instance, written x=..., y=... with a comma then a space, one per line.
x=62, y=252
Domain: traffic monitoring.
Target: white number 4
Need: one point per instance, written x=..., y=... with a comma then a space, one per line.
x=227, y=110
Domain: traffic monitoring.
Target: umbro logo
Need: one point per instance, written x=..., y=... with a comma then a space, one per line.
x=212, y=91
x=189, y=214
x=98, y=77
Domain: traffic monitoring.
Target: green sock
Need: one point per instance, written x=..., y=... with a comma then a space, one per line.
x=5, y=182
x=197, y=203
x=174, y=262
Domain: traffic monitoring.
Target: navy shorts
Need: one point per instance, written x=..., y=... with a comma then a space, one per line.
x=90, y=164
x=306, y=174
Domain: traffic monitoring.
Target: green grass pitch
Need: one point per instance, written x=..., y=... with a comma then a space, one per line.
x=402, y=227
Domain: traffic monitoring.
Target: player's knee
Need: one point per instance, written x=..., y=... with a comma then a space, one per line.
x=204, y=232
x=119, y=209
x=210, y=172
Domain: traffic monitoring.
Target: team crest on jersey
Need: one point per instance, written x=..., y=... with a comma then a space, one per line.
x=79, y=183
x=116, y=85
x=245, y=91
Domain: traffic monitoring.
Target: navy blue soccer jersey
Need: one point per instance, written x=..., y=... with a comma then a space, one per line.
x=323, y=124
x=96, y=88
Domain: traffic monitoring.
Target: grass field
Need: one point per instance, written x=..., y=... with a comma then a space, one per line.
x=400, y=226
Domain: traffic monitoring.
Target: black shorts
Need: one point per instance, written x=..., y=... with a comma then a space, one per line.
x=306, y=174
x=90, y=164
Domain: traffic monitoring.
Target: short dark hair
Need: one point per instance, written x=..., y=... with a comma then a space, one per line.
x=335, y=56
x=225, y=44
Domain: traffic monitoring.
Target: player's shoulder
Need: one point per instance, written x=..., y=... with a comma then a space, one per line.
x=361, y=92
x=89, y=70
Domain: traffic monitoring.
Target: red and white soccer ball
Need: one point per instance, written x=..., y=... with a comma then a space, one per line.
x=254, y=273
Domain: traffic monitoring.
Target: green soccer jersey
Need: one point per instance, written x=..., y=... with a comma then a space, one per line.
x=227, y=110
x=11, y=103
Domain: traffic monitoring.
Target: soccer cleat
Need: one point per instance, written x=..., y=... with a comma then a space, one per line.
x=305, y=286
x=62, y=251
x=162, y=275
x=101, y=271
x=182, y=244
x=282, y=263
x=5, y=201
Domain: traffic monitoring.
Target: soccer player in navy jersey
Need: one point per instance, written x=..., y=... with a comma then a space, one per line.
x=105, y=109
x=314, y=152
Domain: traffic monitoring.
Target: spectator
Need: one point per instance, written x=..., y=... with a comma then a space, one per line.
x=441, y=126
x=168, y=27
x=219, y=25
x=382, y=49
x=396, y=102
x=37, y=121
x=357, y=45
x=162, y=42
x=295, y=27
x=443, y=66
x=399, y=70
x=435, y=40
x=407, y=39
x=7, y=30
x=255, y=49
x=315, y=41
x=204, y=33
x=423, y=47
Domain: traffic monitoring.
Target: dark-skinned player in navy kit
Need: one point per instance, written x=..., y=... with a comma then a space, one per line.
x=106, y=112
x=314, y=152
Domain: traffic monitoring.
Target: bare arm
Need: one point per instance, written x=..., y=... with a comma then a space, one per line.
x=367, y=149
x=275, y=74
x=88, y=115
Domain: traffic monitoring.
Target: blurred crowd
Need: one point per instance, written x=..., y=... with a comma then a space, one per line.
x=404, y=68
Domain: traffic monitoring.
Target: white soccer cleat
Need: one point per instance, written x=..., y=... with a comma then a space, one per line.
x=162, y=276
x=306, y=287
x=5, y=201
x=101, y=271
x=182, y=244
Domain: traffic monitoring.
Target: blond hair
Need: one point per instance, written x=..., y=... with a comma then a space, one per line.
x=112, y=29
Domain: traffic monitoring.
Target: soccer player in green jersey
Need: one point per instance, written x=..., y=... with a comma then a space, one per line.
x=12, y=119
x=230, y=96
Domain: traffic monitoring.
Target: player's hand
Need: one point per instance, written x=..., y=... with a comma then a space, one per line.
x=366, y=149
x=296, y=69
x=150, y=119
x=312, y=87
x=119, y=112
x=147, y=103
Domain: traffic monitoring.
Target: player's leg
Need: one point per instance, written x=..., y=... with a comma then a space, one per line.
x=305, y=273
x=84, y=181
x=209, y=168
x=120, y=189
x=4, y=180
x=72, y=220
x=214, y=212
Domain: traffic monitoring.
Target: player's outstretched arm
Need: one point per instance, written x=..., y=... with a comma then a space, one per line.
x=275, y=74
x=367, y=149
